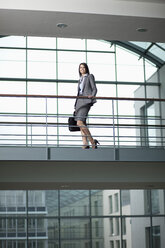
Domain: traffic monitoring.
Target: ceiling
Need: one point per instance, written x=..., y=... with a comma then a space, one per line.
x=116, y=21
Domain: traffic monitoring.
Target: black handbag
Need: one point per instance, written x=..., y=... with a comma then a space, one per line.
x=72, y=125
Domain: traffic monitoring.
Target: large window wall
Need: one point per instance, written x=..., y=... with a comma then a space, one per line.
x=49, y=66
x=82, y=218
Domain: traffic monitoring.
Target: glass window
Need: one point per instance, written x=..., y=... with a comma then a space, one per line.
x=158, y=51
x=99, y=45
x=116, y=202
x=72, y=202
x=68, y=64
x=155, y=201
x=125, y=197
x=111, y=226
x=124, y=243
x=53, y=232
x=117, y=243
x=117, y=226
x=41, y=64
x=96, y=207
x=136, y=231
x=150, y=116
x=150, y=69
x=144, y=45
x=15, y=60
x=3, y=222
x=158, y=230
x=21, y=225
x=98, y=229
x=46, y=62
x=14, y=87
x=129, y=65
x=110, y=204
x=66, y=106
x=156, y=239
x=71, y=44
x=124, y=226
x=73, y=230
x=13, y=105
x=96, y=202
x=102, y=66
x=36, y=198
x=111, y=244
x=132, y=202
x=44, y=221
x=41, y=42
x=13, y=41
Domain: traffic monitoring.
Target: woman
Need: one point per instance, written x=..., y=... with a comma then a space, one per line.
x=86, y=87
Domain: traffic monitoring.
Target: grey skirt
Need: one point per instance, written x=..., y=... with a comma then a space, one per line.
x=82, y=113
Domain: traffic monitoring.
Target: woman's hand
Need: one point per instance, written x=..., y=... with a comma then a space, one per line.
x=90, y=96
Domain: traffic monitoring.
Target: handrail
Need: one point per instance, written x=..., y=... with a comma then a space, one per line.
x=89, y=124
x=84, y=97
x=139, y=130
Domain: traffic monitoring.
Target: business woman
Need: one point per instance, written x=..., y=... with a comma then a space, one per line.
x=86, y=87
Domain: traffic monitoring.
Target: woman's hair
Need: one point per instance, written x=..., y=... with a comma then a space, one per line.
x=86, y=68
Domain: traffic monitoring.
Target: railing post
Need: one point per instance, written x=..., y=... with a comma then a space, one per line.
x=113, y=118
x=46, y=110
x=31, y=136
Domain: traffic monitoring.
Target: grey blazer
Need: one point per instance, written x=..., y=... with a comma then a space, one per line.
x=89, y=88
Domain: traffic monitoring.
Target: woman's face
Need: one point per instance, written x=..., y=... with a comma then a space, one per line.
x=82, y=69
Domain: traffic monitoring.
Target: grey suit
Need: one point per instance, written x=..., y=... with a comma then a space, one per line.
x=89, y=88
x=82, y=105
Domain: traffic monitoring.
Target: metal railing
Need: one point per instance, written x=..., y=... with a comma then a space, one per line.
x=112, y=130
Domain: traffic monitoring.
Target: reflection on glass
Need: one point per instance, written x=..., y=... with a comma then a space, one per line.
x=53, y=233
x=74, y=203
x=158, y=230
x=155, y=201
x=96, y=202
x=110, y=204
x=136, y=232
x=75, y=232
x=98, y=232
x=36, y=198
x=83, y=217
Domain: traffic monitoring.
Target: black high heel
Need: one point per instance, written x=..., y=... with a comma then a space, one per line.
x=95, y=143
x=86, y=147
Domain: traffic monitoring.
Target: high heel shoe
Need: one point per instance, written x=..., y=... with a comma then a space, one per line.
x=86, y=147
x=94, y=146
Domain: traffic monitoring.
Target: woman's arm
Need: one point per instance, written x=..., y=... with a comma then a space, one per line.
x=93, y=86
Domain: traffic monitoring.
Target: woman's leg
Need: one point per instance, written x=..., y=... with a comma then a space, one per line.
x=86, y=135
x=84, y=139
